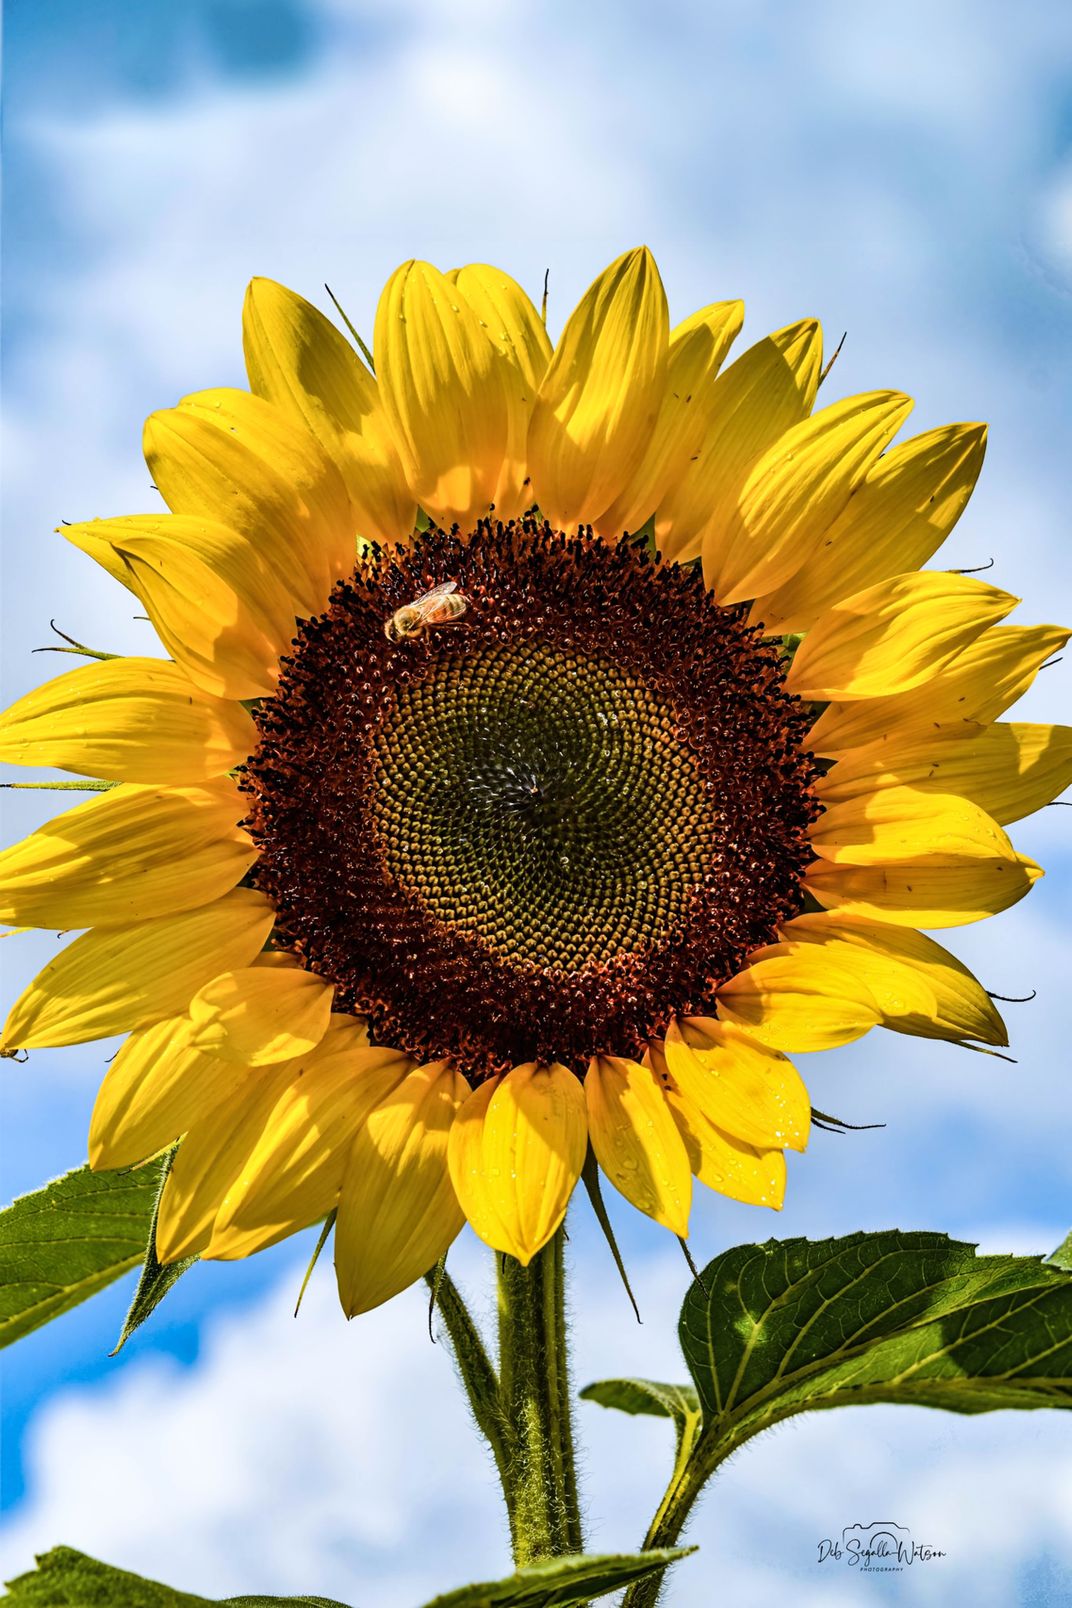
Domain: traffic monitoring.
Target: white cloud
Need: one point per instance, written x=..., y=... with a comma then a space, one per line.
x=316, y=1456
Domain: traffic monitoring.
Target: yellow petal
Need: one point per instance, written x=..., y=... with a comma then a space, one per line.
x=897, y=517
x=516, y=330
x=534, y=1141
x=130, y=720
x=988, y=676
x=272, y=1011
x=234, y=459
x=697, y=348
x=1009, y=770
x=126, y=855
x=601, y=395
x=800, y=1001
x=210, y=1159
x=154, y=1089
x=86, y=539
x=117, y=978
x=901, y=824
x=941, y=892
x=739, y=1171
x=294, y=1172
x=793, y=492
x=509, y=317
x=398, y=1212
x=298, y=360
x=894, y=636
x=743, y=1087
x=919, y=987
x=468, y=1173
x=442, y=388
x=216, y=606
x=766, y=392
x=636, y=1141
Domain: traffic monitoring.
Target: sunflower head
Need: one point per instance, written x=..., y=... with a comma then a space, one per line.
x=543, y=835
x=550, y=740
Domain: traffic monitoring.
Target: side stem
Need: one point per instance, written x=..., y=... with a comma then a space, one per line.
x=534, y=1392
x=474, y=1366
x=686, y=1485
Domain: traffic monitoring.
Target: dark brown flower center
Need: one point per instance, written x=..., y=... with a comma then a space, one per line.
x=539, y=831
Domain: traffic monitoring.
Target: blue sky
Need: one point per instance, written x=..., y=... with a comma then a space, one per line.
x=905, y=176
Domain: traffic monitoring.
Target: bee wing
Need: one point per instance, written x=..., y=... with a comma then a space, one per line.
x=438, y=592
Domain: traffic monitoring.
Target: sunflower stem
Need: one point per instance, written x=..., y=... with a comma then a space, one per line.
x=534, y=1386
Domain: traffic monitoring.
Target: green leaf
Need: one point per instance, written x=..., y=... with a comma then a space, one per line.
x=679, y=1402
x=1062, y=1256
x=68, y=1240
x=157, y=1277
x=893, y=1317
x=562, y=1582
x=65, y=1578
x=782, y=1328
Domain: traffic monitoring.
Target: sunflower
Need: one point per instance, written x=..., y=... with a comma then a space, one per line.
x=551, y=740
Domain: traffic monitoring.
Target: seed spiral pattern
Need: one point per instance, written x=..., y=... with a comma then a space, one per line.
x=535, y=800
x=542, y=832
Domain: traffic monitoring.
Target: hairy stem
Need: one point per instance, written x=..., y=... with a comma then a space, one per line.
x=541, y=1485
x=686, y=1484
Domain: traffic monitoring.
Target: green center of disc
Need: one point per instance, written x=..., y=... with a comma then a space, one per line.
x=543, y=800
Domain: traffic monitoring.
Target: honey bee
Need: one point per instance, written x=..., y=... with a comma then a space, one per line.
x=443, y=605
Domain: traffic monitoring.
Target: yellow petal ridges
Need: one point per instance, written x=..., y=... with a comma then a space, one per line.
x=294, y=1172
x=468, y=1174
x=919, y=987
x=398, y=1212
x=516, y=330
x=271, y=1011
x=981, y=683
x=740, y=1171
x=233, y=458
x=601, y=395
x=930, y=891
x=128, y=720
x=443, y=393
x=697, y=348
x=533, y=1137
x=156, y=1087
x=126, y=855
x=768, y=390
x=743, y=1087
x=903, y=825
x=1009, y=769
x=636, y=1140
x=118, y=978
x=509, y=317
x=298, y=360
x=216, y=606
x=211, y=1158
x=86, y=538
x=799, y=1001
x=894, y=636
x=897, y=517
x=794, y=491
